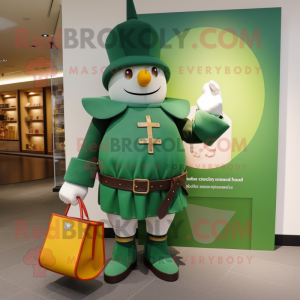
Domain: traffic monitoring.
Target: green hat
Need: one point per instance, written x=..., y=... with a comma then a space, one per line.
x=132, y=43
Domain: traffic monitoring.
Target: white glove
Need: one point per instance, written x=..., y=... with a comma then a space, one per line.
x=211, y=100
x=69, y=192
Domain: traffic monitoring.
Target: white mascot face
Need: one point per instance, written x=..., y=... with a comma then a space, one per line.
x=140, y=84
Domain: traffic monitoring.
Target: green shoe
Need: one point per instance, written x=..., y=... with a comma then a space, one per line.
x=158, y=259
x=123, y=260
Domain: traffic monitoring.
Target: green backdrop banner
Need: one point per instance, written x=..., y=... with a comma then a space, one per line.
x=232, y=185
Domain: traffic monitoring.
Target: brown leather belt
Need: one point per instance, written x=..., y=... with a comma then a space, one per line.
x=144, y=186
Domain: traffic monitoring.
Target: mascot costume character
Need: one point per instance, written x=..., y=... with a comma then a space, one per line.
x=142, y=174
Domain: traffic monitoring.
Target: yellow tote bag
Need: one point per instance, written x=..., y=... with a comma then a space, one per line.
x=74, y=247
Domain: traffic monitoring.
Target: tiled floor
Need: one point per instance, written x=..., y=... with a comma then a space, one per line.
x=225, y=273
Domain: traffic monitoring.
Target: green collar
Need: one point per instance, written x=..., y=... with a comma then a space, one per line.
x=105, y=108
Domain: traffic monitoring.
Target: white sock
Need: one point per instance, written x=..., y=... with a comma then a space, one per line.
x=122, y=228
x=157, y=226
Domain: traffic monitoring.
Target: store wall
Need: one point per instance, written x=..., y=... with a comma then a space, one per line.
x=100, y=14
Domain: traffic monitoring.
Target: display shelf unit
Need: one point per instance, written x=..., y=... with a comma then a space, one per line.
x=9, y=135
x=49, y=119
x=32, y=105
x=28, y=108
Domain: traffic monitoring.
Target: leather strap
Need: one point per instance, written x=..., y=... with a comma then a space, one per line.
x=177, y=182
x=140, y=185
x=156, y=239
x=144, y=186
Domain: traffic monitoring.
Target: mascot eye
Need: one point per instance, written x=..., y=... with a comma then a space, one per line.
x=154, y=72
x=128, y=74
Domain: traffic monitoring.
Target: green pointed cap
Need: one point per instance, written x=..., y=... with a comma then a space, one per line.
x=131, y=13
x=132, y=43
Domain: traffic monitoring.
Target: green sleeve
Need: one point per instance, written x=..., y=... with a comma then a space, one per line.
x=83, y=169
x=206, y=128
x=185, y=128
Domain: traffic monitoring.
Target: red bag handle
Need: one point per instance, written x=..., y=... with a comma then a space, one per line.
x=81, y=207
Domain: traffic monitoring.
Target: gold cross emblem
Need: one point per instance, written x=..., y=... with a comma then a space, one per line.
x=150, y=140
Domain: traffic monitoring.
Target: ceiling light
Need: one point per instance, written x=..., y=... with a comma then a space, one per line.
x=45, y=35
x=3, y=60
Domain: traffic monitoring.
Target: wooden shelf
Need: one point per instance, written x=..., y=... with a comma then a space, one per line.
x=35, y=134
x=33, y=107
x=28, y=121
x=8, y=140
x=59, y=113
x=5, y=121
x=11, y=108
x=33, y=151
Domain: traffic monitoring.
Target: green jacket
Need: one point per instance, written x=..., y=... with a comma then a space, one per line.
x=113, y=141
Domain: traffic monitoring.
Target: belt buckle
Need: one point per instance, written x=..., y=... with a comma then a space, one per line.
x=148, y=185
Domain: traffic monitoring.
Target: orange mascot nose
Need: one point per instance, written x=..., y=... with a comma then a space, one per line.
x=144, y=78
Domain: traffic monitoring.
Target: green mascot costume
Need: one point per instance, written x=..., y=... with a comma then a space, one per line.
x=134, y=144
